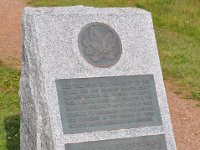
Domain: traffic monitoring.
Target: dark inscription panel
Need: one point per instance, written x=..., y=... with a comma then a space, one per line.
x=106, y=103
x=153, y=142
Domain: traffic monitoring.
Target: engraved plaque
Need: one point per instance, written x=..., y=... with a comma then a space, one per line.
x=106, y=103
x=100, y=45
x=153, y=142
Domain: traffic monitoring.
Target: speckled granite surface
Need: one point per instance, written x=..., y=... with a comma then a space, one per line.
x=51, y=52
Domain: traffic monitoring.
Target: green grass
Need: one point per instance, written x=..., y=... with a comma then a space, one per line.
x=177, y=27
x=9, y=108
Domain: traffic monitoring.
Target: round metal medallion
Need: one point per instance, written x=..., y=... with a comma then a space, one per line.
x=100, y=45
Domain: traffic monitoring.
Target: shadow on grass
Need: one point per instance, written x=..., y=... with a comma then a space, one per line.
x=12, y=124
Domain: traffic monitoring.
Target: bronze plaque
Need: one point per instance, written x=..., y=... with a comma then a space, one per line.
x=152, y=142
x=100, y=45
x=106, y=103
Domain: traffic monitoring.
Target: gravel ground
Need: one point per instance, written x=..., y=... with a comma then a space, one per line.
x=10, y=32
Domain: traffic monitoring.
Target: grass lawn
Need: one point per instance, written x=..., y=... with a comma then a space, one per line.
x=9, y=108
x=177, y=27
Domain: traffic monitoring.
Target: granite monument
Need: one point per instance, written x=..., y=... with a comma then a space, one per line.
x=91, y=80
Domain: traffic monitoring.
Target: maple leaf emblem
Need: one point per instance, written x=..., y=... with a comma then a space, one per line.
x=99, y=46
